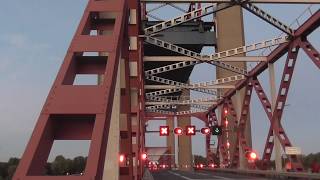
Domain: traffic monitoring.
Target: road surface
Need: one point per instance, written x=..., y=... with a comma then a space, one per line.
x=197, y=175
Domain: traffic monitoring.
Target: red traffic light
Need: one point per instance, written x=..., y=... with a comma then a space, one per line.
x=178, y=131
x=143, y=156
x=121, y=158
x=205, y=131
x=164, y=130
x=190, y=130
x=251, y=155
x=225, y=111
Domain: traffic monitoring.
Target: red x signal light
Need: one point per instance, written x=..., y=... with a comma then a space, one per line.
x=190, y=130
x=164, y=130
x=205, y=131
x=178, y=131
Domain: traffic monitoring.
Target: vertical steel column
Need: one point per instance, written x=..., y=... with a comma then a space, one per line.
x=184, y=142
x=231, y=35
x=136, y=86
x=80, y=112
x=171, y=140
x=126, y=168
x=277, y=145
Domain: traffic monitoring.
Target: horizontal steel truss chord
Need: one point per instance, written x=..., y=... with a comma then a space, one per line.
x=229, y=86
x=179, y=85
x=198, y=13
x=212, y=59
x=196, y=85
x=160, y=101
x=200, y=58
x=175, y=113
x=166, y=106
x=229, y=1
x=163, y=92
x=215, y=82
x=267, y=17
x=183, y=58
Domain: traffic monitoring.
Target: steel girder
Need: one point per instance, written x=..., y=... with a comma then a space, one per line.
x=66, y=114
x=303, y=31
x=299, y=40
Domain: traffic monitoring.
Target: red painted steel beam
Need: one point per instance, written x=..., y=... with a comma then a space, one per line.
x=79, y=112
x=304, y=30
x=311, y=51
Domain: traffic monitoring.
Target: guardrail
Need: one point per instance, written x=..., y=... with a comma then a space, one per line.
x=268, y=173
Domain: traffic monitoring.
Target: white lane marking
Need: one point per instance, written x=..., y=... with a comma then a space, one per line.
x=214, y=176
x=176, y=174
x=187, y=178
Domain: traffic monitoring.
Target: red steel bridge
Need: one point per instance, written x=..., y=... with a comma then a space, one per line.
x=143, y=63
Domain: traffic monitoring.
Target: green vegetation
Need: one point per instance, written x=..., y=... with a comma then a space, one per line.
x=60, y=166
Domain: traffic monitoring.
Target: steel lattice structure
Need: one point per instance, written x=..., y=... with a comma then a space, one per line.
x=134, y=87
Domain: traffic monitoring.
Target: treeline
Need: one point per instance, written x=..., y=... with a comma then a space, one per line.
x=60, y=166
x=310, y=159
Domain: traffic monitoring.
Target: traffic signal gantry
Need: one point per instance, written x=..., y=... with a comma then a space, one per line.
x=190, y=130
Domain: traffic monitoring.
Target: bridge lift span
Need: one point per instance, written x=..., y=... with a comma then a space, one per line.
x=143, y=63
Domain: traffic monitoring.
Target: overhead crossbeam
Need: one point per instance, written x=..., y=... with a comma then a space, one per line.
x=212, y=59
x=268, y=18
x=228, y=1
x=175, y=85
x=183, y=58
x=189, y=87
x=207, y=100
x=215, y=82
x=195, y=55
x=189, y=112
x=163, y=92
x=165, y=106
x=179, y=103
x=198, y=13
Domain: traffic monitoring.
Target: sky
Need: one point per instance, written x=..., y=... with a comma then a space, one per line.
x=35, y=35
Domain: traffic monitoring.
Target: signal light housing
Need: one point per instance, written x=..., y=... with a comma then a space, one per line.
x=251, y=155
x=216, y=130
x=205, y=131
x=178, y=131
x=164, y=131
x=144, y=156
x=121, y=158
x=225, y=111
x=190, y=130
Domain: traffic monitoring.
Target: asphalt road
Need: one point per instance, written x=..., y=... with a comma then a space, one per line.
x=196, y=175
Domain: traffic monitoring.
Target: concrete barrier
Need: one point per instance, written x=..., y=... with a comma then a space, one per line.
x=267, y=173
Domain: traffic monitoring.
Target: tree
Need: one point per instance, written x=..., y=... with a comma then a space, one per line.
x=11, y=170
x=3, y=170
x=79, y=164
x=199, y=159
x=13, y=161
x=59, y=166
